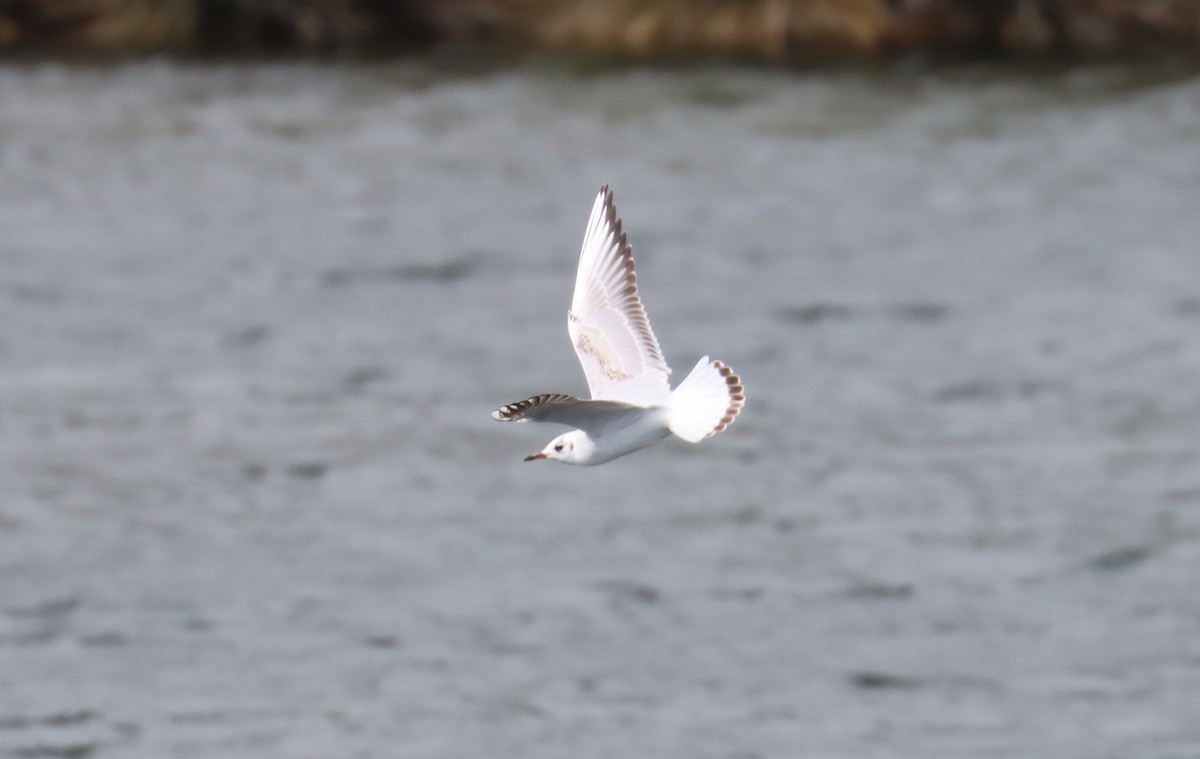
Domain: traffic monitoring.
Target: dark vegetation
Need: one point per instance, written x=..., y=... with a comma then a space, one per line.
x=771, y=30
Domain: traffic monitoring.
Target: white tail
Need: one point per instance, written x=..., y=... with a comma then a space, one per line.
x=705, y=402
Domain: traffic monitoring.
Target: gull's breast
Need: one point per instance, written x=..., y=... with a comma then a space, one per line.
x=629, y=433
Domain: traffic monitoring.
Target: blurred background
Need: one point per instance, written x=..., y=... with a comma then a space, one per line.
x=754, y=29
x=267, y=267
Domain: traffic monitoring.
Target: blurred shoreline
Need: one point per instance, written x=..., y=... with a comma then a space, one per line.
x=755, y=30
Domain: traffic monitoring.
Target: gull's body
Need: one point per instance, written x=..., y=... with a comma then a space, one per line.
x=632, y=404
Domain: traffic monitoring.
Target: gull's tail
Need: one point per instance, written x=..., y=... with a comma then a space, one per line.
x=705, y=402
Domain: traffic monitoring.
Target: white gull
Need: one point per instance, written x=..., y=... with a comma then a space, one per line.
x=632, y=404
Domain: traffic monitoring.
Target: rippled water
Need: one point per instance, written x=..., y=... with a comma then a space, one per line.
x=255, y=319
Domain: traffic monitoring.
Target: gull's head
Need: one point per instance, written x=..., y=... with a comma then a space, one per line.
x=573, y=447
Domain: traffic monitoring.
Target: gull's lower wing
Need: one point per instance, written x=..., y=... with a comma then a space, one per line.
x=560, y=408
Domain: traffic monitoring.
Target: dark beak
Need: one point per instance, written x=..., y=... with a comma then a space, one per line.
x=538, y=455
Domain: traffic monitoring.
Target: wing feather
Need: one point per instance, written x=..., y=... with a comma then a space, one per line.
x=609, y=330
x=560, y=408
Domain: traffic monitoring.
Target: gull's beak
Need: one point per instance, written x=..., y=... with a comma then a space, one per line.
x=538, y=455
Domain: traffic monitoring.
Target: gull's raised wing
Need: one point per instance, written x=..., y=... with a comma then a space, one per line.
x=608, y=326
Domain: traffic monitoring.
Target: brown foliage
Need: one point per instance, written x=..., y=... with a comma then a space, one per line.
x=763, y=29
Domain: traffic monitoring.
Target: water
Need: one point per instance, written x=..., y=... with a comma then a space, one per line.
x=256, y=317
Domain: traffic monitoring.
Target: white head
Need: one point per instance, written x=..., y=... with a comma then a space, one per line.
x=573, y=447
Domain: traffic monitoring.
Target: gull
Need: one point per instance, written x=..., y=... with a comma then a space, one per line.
x=632, y=404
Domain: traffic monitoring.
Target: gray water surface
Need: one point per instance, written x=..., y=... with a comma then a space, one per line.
x=255, y=319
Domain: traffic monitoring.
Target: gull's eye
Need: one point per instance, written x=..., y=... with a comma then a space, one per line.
x=558, y=448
